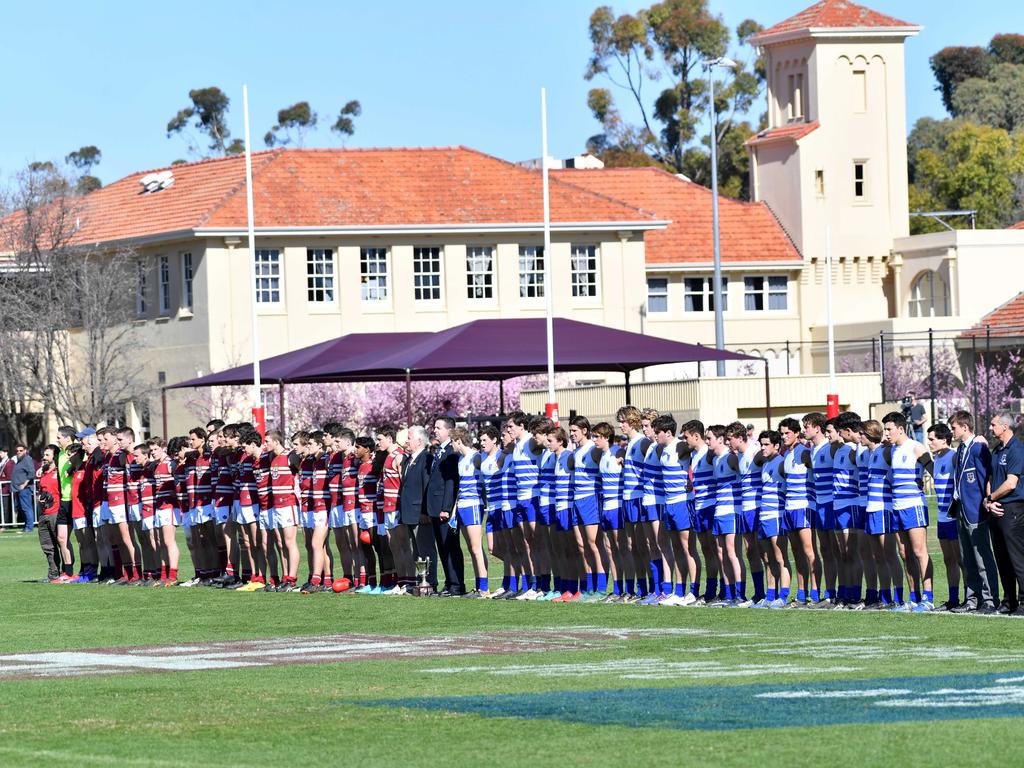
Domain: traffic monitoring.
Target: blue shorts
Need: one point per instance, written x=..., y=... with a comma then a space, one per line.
x=585, y=511
x=877, y=523
x=844, y=518
x=563, y=519
x=469, y=515
x=824, y=517
x=631, y=509
x=545, y=514
x=947, y=530
x=748, y=520
x=679, y=515
x=858, y=518
x=906, y=519
x=797, y=519
x=526, y=510
x=767, y=527
x=703, y=518
x=611, y=519
x=724, y=524
x=650, y=512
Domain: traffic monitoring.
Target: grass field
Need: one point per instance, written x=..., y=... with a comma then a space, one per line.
x=461, y=682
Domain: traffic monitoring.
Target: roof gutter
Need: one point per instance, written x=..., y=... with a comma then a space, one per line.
x=433, y=229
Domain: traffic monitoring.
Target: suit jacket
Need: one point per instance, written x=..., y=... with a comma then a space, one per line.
x=970, y=477
x=413, y=493
x=443, y=483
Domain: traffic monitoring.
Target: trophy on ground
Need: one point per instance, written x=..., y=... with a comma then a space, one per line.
x=423, y=588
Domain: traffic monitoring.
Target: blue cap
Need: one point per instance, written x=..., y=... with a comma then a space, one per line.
x=86, y=432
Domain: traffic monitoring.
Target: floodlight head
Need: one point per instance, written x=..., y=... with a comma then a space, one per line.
x=721, y=61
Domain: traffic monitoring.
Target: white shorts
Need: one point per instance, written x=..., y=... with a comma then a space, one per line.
x=134, y=513
x=188, y=519
x=149, y=523
x=97, y=516
x=79, y=523
x=342, y=518
x=314, y=519
x=266, y=518
x=113, y=515
x=221, y=515
x=391, y=520
x=246, y=514
x=167, y=516
x=285, y=517
x=201, y=514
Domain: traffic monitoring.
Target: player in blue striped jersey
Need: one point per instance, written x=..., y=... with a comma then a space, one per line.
x=567, y=542
x=586, y=513
x=492, y=466
x=678, y=514
x=770, y=502
x=541, y=427
x=845, y=494
x=631, y=424
x=849, y=425
x=799, y=510
x=702, y=471
x=526, y=455
x=746, y=517
x=824, y=514
x=878, y=517
x=469, y=506
x=652, y=506
x=939, y=438
x=909, y=510
x=515, y=539
x=610, y=494
x=727, y=483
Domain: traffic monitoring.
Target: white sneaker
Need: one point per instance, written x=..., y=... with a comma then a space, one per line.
x=530, y=594
x=744, y=603
x=672, y=599
x=190, y=583
x=688, y=599
x=497, y=593
x=397, y=590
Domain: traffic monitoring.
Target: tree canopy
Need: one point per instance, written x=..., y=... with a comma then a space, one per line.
x=209, y=108
x=657, y=59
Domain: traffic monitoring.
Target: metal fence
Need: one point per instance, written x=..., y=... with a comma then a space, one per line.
x=10, y=510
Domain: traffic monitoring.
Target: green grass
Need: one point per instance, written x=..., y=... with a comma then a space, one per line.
x=312, y=714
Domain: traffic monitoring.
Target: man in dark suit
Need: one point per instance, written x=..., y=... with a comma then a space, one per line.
x=413, y=494
x=442, y=490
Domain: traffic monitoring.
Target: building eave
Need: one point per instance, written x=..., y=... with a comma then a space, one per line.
x=435, y=229
x=732, y=266
x=818, y=33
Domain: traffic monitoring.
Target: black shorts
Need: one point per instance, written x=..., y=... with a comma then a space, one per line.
x=64, y=514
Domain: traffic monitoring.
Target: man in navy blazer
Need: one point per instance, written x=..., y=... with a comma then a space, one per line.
x=971, y=469
x=442, y=491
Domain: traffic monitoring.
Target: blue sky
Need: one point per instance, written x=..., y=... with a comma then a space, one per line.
x=427, y=74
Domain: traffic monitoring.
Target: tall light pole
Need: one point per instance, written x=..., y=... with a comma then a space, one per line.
x=709, y=66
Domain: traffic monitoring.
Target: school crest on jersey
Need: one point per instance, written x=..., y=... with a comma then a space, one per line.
x=969, y=475
x=275, y=472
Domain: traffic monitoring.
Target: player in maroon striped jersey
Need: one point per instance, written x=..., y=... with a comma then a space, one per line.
x=343, y=484
x=227, y=454
x=115, y=513
x=284, y=495
x=142, y=479
x=247, y=510
x=166, y=512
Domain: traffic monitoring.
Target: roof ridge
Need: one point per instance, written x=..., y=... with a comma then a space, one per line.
x=982, y=324
x=782, y=226
x=274, y=154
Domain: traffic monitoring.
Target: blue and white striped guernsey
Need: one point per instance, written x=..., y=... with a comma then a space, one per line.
x=654, y=485
x=770, y=495
x=703, y=478
x=611, y=481
x=942, y=475
x=675, y=474
x=821, y=473
x=845, y=492
x=633, y=469
x=863, y=473
x=527, y=473
x=750, y=477
x=906, y=493
x=798, y=491
x=879, y=487
x=546, y=479
x=508, y=484
x=727, y=486
x=469, y=481
x=491, y=471
x=563, y=480
x=585, y=472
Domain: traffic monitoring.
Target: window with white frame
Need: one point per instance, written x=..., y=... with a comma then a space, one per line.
x=426, y=273
x=657, y=295
x=268, y=276
x=929, y=296
x=480, y=272
x=373, y=274
x=766, y=293
x=531, y=272
x=699, y=294
x=140, y=288
x=860, y=179
x=187, y=274
x=319, y=275
x=165, y=285
x=584, y=270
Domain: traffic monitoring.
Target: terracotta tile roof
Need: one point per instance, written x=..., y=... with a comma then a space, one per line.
x=749, y=231
x=1018, y=225
x=832, y=14
x=784, y=133
x=342, y=188
x=1004, y=320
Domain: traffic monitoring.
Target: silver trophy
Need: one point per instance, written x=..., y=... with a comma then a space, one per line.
x=423, y=588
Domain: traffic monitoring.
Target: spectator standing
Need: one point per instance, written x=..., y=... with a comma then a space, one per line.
x=917, y=417
x=449, y=412
x=442, y=490
x=1005, y=502
x=49, y=505
x=22, y=476
x=6, y=488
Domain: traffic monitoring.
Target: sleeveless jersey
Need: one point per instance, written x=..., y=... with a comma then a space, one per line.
x=525, y=465
x=563, y=480
x=879, y=483
x=546, y=479
x=469, y=481
x=798, y=493
x=942, y=474
x=611, y=480
x=336, y=476
x=770, y=499
x=727, y=483
x=203, y=480
x=79, y=501
x=133, y=489
x=367, y=479
x=283, y=488
x=349, y=483
x=508, y=483
x=702, y=465
x=863, y=475
x=750, y=477
x=245, y=482
x=845, y=491
x=390, y=482
x=147, y=489
x=675, y=474
x=585, y=472
x=633, y=468
x=116, y=483
x=306, y=482
x=491, y=468
x=821, y=473
x=653, y=483
x=906, y=491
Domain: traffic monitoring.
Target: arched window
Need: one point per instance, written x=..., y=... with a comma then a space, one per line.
x=929, y=296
